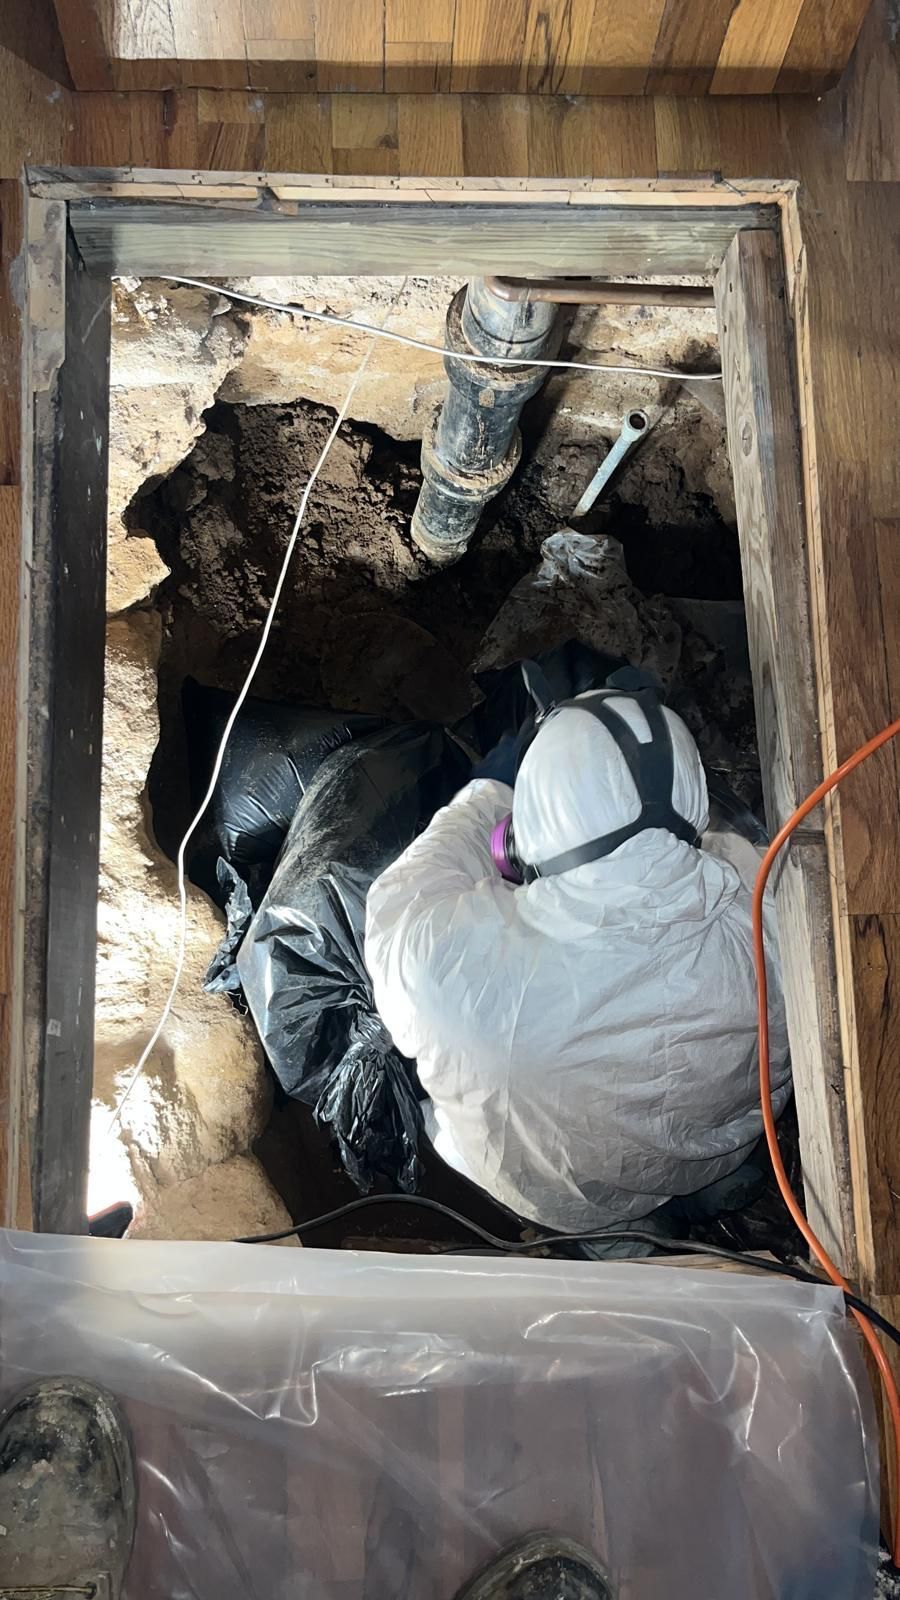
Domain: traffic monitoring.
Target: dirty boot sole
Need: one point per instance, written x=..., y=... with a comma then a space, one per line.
x=542, y=1566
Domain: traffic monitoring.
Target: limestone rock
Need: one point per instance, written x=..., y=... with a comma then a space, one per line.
x=171, y=349
x=232, y=1200
x=204, y=1095
x=289, y=357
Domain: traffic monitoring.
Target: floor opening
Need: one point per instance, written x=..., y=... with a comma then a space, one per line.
x=218, y=412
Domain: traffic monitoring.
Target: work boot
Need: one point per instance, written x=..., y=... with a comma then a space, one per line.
x=67, y=1493
x=542, y=1566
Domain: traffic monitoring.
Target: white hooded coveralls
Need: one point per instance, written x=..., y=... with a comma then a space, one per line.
x=588, y=1041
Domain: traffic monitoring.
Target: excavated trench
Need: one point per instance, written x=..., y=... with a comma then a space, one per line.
x=366, y=622
x=205, y=1146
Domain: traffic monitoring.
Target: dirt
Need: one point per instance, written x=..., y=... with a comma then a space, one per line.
x=365, y=621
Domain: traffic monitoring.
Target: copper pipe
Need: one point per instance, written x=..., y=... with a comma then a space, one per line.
x=594, y=292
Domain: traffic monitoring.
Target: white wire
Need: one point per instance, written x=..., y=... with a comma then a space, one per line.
x=223, y=744
x=439, y=350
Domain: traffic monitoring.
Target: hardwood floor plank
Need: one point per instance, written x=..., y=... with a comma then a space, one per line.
x=417, y=68
x=821, y=45
x=85, y=26
x=349, y=45
x=867, y=807
x=560, y=138
x=688, y=45
x=556, y=44
x=430, y=134
x=488, y=45
x=872, y=98
x=754, y=47
x=98, y=131
x=495, y=135
x=412, y=21
x=875, y=948
x=620, y=47
x=298, y=133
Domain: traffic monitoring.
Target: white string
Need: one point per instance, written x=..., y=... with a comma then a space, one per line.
x=439, y=350
x=223, y=744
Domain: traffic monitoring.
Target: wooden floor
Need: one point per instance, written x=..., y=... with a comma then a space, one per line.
x=495, y=46
x=845, y=150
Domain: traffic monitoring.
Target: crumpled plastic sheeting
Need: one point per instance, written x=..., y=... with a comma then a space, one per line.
x=349, y=1426
x=222, y=973
x=581, y=590
x=372, y=1108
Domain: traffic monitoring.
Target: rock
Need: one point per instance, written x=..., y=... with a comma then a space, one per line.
x=204, y=1095
x=231, y=1200
x=134, y=571
x=287, y=358
x=170, y=353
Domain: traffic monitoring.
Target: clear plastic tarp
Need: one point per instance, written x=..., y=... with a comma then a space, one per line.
x=344, y=1426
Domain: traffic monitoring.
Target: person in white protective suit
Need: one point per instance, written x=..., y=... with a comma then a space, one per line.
x=587, y=1038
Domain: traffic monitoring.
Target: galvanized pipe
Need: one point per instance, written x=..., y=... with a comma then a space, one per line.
x=593, y=292
x=634, y=426
x=472, y=449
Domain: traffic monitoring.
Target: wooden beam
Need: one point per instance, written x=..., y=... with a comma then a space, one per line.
x=763, y=436
x=14, y=1195
x=239, y=239
x=67, y=612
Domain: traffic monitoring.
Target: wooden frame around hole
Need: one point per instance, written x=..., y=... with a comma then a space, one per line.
x=83, y=226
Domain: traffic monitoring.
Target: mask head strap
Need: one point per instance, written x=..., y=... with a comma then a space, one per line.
x=651, y=764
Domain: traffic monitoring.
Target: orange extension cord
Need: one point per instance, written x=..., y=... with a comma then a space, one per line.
x=765, y=1087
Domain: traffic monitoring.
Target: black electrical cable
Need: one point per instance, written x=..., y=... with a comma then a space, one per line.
x=363, y=1203
x=521, y=1247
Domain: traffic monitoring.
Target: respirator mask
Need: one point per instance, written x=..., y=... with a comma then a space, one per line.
x=651, y=764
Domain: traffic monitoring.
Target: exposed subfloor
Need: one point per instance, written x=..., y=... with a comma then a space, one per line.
x=218, y=416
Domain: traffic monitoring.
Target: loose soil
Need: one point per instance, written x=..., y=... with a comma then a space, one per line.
x=366, y=622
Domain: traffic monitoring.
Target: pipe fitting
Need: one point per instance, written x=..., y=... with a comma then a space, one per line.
x=474, y=446
x=452, y=499
x=488, y=327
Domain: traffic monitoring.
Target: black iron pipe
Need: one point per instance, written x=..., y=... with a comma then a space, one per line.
x=473, y=447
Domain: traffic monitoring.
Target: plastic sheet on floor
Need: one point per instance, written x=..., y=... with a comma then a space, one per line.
x=356, y=1427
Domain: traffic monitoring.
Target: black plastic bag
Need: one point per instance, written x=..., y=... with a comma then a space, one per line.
x=727, y=810
x=301, y=963
x=371, y=1105
x=508, y=706
x=271, y=758
x=222, y=974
